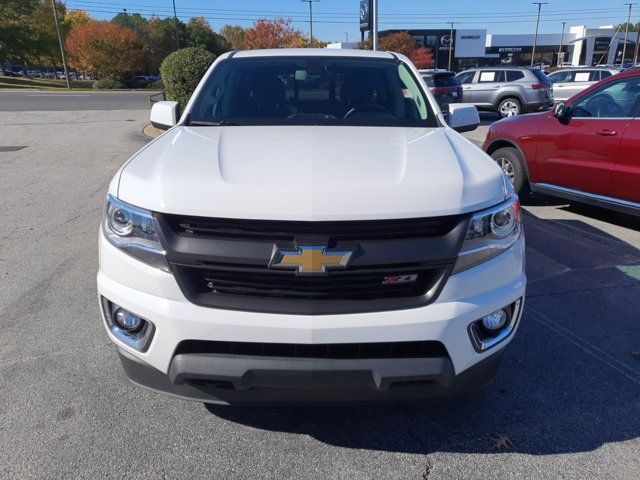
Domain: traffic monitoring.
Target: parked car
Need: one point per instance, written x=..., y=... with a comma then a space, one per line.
x=143, y=78
x=584, y=150
x=569, y=81
x=444, y=86
x=311, y=241
x=507, y=90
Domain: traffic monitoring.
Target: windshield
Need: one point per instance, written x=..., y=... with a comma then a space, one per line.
x=312, y=91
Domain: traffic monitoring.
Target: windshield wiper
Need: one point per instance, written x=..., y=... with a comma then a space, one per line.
x=203, y=123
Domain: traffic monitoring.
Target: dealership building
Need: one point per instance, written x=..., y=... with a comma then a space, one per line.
x=579, y=45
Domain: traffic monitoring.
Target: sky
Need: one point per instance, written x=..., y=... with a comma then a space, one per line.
x=337, y=20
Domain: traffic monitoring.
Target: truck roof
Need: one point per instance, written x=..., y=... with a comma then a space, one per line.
x=310, y=52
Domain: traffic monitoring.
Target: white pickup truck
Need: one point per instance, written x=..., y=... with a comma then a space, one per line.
x=310, y=229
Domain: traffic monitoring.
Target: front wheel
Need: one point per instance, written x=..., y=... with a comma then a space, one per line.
x=512, y=164
x=509, y=107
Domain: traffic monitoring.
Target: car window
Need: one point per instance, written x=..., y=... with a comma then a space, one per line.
x=428, y=79
x=604, y=74
x=466, y=77
x=446, y=81
x=614, y=100
x=312, y=91
x=514, y=75
x=562, y=77
x=487, y=76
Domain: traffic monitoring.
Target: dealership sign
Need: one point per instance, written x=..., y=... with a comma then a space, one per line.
x=366, y=15
x=470, y=43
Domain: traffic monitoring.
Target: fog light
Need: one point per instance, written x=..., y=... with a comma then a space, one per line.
x=495, y=321
x=127, y=327
x=490, y=330
x=128, y=321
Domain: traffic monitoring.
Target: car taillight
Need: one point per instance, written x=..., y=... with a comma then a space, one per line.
x=438, y=91
x=538, y=86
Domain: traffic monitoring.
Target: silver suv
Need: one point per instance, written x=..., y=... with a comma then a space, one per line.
x=506, y=90
x=569, y=81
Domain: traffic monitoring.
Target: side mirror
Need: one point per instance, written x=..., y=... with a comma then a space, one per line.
x=164, y=115
x=463, y=117
x=561, y=111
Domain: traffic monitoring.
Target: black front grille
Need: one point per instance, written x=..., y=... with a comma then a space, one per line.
x=224, y=263
x=269, y=230
x=419, y=349
x=346, y=284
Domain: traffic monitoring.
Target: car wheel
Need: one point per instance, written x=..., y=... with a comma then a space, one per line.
x=512, y=164
x=509, y=107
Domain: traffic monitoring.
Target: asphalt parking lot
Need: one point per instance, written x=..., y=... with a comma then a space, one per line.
x=565, y=404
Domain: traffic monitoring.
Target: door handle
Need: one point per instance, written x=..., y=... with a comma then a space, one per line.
x=605, y=132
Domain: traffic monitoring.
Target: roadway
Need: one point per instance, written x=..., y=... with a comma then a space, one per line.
x=565, y=403
x=74, y=100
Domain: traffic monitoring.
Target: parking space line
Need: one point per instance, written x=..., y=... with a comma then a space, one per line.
x=631, y=373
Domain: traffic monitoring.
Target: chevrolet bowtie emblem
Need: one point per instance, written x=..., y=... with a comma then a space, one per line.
x=309, y=259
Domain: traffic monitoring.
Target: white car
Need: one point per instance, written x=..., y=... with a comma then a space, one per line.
x=311, y=230
x=568, y=82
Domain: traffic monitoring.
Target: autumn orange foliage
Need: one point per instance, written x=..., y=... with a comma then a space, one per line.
x=272, y=34
x=105, y=50
x=401, y=42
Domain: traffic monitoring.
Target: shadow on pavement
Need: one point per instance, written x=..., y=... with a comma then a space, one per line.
x=569, y=382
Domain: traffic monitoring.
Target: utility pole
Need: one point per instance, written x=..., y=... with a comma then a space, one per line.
x=175, y=20
x=375, y=24
x=346, y=35
x=310, y=2
x=64, y=57
x=561, y=40
x=635, y=53
x=535, y=38
x=626, y=35
x=450, y=46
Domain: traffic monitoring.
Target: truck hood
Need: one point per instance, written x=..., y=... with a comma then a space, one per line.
x=311, y=173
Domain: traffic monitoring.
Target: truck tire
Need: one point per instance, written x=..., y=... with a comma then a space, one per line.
x=509, y=107
x=511, y=162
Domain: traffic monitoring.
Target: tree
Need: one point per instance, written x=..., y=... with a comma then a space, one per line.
x=234, y=34
x=200, y=34
x=161, y=40
x=28, y=32
x=401, y=42
x=272, y=34
x=75, y=18
x=106, y=50
x=132, y=21
x=422, y=58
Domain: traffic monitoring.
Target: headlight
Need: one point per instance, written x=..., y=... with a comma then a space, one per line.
x=490, y=233
x=133, y=230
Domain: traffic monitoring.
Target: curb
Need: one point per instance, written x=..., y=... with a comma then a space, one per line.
x=151, y=131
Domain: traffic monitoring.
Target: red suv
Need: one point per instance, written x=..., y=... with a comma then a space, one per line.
x=587, y=149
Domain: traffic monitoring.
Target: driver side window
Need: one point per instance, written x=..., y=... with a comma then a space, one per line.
x=615, y=100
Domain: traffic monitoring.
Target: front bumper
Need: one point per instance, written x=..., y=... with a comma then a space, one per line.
x=257, y=380
x=156, y=296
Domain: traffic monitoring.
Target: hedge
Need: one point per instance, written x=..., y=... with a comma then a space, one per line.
x=107, y=83
x=182, y=70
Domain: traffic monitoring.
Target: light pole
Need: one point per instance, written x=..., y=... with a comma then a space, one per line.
x=535, y=38
x=310, y=2
x=64, y=57
x=450, y=46
x=560, y=55
x=375, y=24
x=175, y=21
x=635, y=53
x=626, y=34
